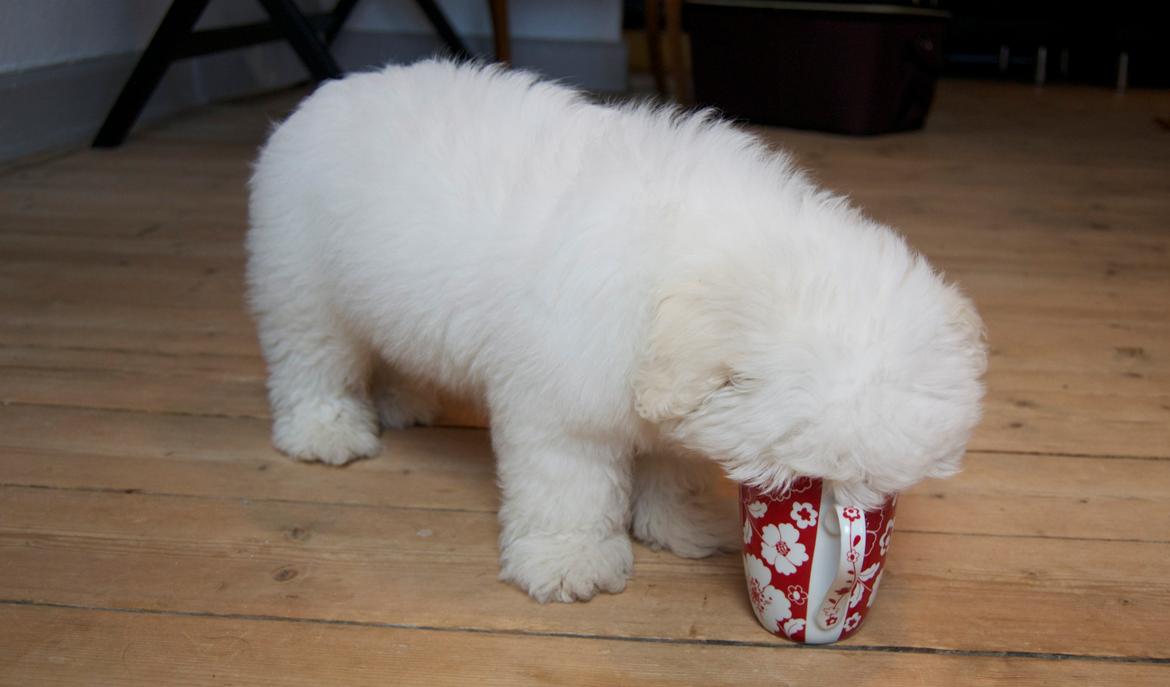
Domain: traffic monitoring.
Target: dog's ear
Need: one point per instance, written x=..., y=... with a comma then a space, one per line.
x=684, y=358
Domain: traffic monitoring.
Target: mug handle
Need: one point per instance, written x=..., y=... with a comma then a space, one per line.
x=851, y=526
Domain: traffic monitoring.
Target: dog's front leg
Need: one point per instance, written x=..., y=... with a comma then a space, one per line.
x=565, y=512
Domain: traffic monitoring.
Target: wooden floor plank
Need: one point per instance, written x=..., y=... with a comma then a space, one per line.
x=438, y=568
x=1018, y=343
x=203, y=282
x=1016, y=494
x=422, y=477
x=1105, y=390
x=159, y=328
x=62, y=646
x=138, y=472
x=210, y=385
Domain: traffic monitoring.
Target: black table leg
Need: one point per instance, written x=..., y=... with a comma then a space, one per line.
x=337, y=19
x=305, y=41
x=443, y=28
x=175, y=27
x=176, y=39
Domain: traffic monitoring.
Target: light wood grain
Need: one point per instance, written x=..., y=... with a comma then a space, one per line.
x=70, y=646
x=438, y=567
x=138, y=483
x=1013, y=494
x=1102, y=390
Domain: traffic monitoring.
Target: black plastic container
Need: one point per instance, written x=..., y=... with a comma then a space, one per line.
x=840, y=67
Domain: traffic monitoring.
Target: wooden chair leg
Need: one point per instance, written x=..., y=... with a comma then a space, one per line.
x=674, y=40
x=654, y=47
x=500, y=34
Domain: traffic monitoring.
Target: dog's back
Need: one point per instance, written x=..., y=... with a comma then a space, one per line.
x=438, y=210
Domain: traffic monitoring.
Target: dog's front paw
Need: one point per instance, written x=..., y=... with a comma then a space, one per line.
x=687, y=528
x=567, y=567
x=333, y=432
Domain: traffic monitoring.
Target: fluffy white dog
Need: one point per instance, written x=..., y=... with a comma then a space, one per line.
x=626, y=289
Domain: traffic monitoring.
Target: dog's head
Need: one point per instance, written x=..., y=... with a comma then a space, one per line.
x=865, y=374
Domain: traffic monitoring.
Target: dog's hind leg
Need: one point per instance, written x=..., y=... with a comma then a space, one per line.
x=676, y=507
x=317, y=384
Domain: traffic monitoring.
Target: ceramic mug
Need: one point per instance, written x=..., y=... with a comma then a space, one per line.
x=812, y=565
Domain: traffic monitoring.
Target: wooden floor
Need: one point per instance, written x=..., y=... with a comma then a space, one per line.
x=149, y=535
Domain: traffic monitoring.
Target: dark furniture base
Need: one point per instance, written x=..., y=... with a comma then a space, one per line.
x=836, y=68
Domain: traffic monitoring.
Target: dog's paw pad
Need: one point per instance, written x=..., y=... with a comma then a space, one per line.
x=334, y=432
x=567, y=568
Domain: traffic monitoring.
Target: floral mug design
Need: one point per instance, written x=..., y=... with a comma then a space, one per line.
x=812, y=565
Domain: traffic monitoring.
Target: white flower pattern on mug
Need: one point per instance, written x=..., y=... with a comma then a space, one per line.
x=884, y=543
x=781, y=547
x=855, y=593
x=873, y=589
x=852, y=622
x=780, y=532
x=770, y=605
x=831, y=617
x=792, y=626
x=804, y=515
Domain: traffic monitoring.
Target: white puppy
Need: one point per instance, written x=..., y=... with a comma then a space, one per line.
x=612, y=283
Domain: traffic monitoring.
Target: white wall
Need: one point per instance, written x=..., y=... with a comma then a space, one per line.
x=566, y=20
x=62, y=62
x=39, y=33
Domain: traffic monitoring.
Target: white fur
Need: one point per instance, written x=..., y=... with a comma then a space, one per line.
x=611, y=282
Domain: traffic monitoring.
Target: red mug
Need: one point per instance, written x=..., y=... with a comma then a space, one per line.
x=812, y=565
